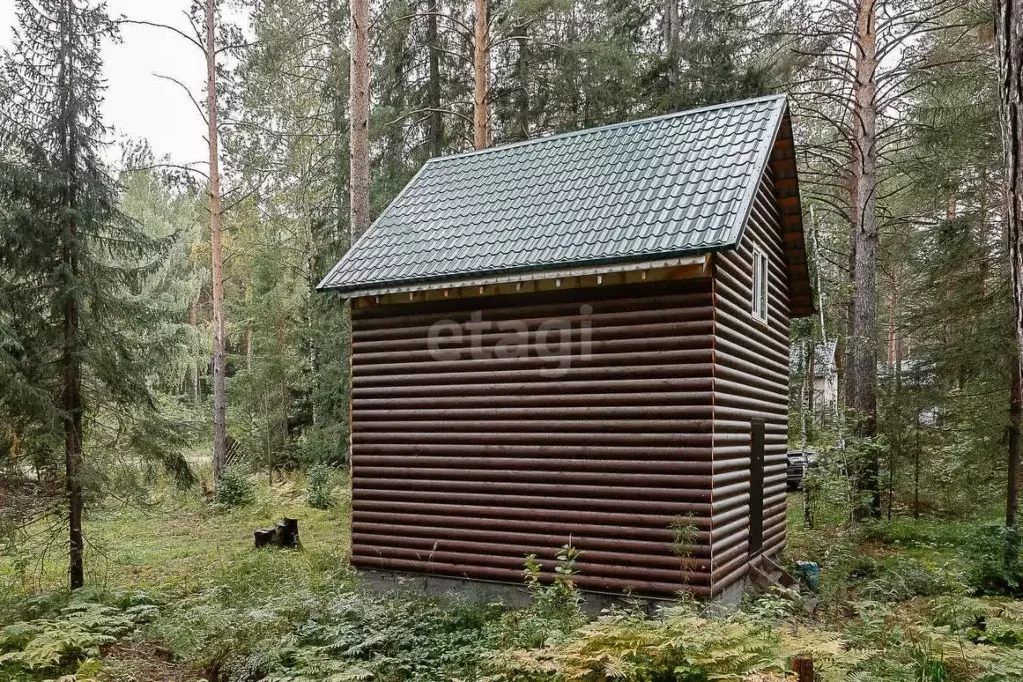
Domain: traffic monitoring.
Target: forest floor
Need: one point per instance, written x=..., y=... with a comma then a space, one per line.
x=177, y=593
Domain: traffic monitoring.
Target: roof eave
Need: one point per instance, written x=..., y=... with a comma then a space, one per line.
x=556, y=271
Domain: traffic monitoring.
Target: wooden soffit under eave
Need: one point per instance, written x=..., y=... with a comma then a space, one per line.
x=786, y=184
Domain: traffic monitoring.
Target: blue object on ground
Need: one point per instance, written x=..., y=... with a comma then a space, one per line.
x=809, y=573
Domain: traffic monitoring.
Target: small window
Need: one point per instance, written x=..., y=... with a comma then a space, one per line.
x=759, y=285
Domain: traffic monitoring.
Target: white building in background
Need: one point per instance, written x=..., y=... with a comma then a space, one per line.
x=825, y=377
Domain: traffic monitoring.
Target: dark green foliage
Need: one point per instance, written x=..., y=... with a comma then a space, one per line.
x=389, y=638
x=996, y=560
x=307, y=636
x=235, y=489
x=326, y=441
x=289, y=403
x=728, y=52
x=320, y=487
x=75, y=270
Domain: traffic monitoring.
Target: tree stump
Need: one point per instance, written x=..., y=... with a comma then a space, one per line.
x=802, y=665
x=287, y=533
x=265, y=536
x=284, y=534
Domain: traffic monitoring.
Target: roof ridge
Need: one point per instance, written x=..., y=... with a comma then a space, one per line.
x=609, y=126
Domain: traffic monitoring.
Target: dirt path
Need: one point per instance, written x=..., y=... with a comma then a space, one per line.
x=142, y=661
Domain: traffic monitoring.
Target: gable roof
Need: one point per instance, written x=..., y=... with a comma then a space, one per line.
x=669, y=186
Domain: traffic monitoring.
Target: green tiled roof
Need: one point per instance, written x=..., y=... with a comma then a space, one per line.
x=662, y=187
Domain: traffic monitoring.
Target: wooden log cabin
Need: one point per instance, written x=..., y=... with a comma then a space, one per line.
x=581, y=339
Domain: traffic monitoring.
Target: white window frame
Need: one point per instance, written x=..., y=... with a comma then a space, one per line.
x=759, y=294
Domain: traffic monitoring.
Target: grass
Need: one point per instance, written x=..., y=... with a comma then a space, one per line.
x=180, y=544
x=896, y=604
x=193, y=559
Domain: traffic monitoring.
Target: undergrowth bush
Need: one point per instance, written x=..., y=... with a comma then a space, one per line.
x=991, y=569
x=386, y=637
x=899, y=578
x=235, y=489
x=555, y=608
x=339, y=635
x=319, y=487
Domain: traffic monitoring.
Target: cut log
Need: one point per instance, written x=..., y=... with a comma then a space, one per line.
x=265, y=536
x=284, y=534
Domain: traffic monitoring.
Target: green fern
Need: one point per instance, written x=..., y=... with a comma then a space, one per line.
x=681, y=647
x=65, y=641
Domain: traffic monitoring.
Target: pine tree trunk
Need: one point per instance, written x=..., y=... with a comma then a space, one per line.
x=522, y=75
x=862, y=371
x=359, y=152
x=312, y=352
x=1012, y=485
x=282, y=424
x=74, y=458
x=982, y=231
x=481, y=56
x=804, y=390
x=193, y=315
x=216, y=219
x=71, y=388
x=339, y=63
x=670, y=30
x=916, y=467
x=436, y=127
x=1010, y=86
x=248, y=348
x=891, y=321
x=811, y=398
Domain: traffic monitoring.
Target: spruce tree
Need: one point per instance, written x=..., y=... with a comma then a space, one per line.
x=72, y=265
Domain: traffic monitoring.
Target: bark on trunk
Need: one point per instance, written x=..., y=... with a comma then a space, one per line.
x=71, y=388
x=74, y=458
x=916, y=467
x=670, y=30
x=862, y=371
x=433, y=45
x=811, y=398
x=312, y=352
x=522, y=75
x=339, y=64
x=805, y=405
x=248, y=348
x=1012, y=485
x=282, y=424
x=891, y=321
x=1010, y=87
x=196, y=359
x=219, y=347
x=359, y=84
x=481, y=57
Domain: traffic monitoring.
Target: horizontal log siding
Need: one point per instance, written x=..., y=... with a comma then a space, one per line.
x=751, y=381
x=462, y=466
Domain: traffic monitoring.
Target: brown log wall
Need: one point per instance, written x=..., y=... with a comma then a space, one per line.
x=751, y=369
x=464, y=463
x=467, y=460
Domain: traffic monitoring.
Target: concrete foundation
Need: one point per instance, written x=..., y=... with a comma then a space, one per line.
x=517, y=596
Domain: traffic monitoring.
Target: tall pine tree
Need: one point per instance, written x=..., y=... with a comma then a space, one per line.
x=72, y=265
